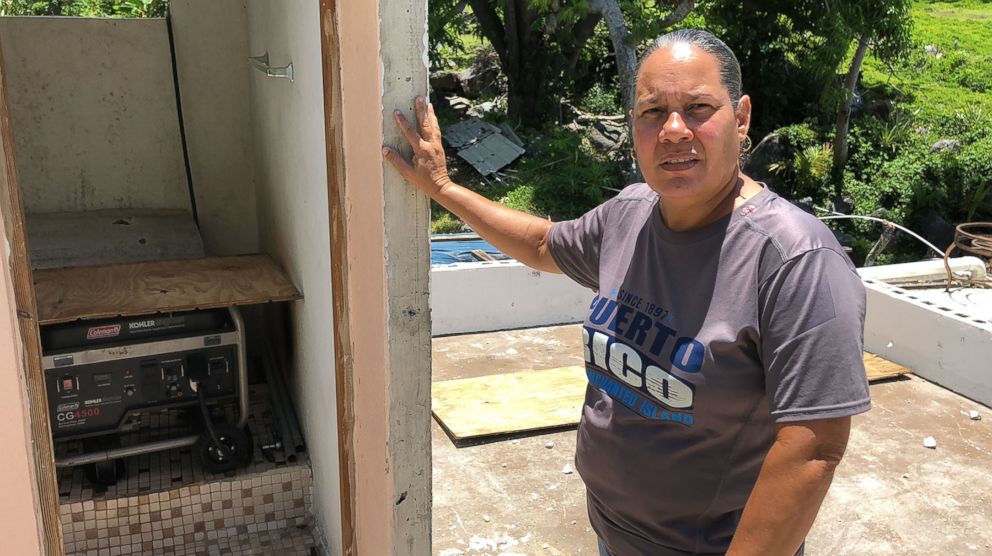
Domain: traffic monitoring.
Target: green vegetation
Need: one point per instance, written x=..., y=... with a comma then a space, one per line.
x=85, y=8
x=919, y=141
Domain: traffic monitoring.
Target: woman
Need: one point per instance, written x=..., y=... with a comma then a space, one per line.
x=724, y=344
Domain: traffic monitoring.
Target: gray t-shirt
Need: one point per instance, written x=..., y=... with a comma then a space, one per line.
x=696, y=344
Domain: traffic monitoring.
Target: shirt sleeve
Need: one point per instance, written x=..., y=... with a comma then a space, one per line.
x=812, y=314
x=575, y=245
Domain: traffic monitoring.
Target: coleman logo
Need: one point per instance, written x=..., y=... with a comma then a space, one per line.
x=98, y=332
x=141, y=324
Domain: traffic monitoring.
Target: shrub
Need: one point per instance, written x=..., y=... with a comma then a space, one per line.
x=445, y=223
x=601, y=100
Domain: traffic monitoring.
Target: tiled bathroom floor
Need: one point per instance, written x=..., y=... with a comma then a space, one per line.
x=168, y=504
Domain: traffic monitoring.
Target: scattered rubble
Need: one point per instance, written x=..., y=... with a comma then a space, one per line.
x=567, y=470
x=949, y=145
x=930, y=442
x=933, y=51
x=974, y=415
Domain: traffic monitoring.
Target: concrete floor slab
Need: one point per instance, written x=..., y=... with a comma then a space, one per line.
x=891, y=495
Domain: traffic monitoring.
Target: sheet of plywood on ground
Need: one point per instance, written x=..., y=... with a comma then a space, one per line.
x=67, y=294
x=539, y=399
x=508, y=403
x=880, y=369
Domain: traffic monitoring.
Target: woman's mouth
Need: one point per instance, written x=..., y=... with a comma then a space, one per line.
x=679, y=164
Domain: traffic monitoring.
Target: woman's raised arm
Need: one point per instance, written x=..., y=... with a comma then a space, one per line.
x=518, y=234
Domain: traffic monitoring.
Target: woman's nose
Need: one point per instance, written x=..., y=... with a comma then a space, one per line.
x=674, y=130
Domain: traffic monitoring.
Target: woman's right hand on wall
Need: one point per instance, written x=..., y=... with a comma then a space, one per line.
x=427, y=170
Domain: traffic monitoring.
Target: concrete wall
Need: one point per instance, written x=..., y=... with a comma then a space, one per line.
x=212, y=52
x=20, y=527
x=94, y=112
x=21, y=523
x=936, y=342
x=477, y=297
x=291, y=181
x=383, y=65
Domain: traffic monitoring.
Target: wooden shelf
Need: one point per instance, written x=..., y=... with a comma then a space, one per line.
x=90, y=292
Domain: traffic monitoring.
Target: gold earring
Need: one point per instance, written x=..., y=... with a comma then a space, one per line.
x=746, y=145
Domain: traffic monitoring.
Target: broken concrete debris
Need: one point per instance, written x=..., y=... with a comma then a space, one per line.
x=974, y=415
x=567, y=470
x=550, y=444
x=930, y=442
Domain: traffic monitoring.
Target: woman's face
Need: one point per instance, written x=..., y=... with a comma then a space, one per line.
x=687, y=132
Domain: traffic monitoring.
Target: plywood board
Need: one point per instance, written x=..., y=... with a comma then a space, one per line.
x=509, y=403
x=68, y=294
x=539, y=399
x=880, y=369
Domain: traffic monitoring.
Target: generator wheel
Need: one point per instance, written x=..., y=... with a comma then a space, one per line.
x=106, y=472
x=237, y=447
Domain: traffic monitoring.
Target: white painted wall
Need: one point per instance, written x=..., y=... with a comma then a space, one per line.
x=478, y=297
x=94, y=114
x=291, y=182
x=212, y=52
x=937, y=342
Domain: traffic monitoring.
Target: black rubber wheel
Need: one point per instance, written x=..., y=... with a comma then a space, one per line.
x=106, y=472
x=237, y=450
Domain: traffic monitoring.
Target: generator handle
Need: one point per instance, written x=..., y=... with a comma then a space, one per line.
x=239, y=324
x=128, y=451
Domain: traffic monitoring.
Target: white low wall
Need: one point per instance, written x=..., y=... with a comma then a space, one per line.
x=484, y=296
x=938, y=342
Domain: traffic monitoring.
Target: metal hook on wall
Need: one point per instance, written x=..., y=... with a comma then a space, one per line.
x=261, y=63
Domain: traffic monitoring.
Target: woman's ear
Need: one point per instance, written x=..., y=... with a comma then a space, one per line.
x=743, y=115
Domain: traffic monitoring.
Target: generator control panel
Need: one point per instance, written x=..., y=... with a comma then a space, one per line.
x=102, y=376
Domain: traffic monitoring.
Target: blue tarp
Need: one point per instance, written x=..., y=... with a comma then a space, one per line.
x=460, y=251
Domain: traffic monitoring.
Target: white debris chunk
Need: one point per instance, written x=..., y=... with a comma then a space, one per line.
x=550, y=444
x=573, y=522
x=545, y=546
x=930, y=442
x=975, y=416
x=515, y=441
x=451, y=552
x=567, y=470
x=486, y=518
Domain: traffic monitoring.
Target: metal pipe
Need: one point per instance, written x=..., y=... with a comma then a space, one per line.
x=838, y=216
x=127, y=451
x=298, y=444
x=239, y=323
x=278, y=405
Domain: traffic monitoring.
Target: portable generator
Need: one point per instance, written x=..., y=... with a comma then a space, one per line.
x=104, y=378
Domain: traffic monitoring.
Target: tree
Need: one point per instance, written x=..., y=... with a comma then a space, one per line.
x=885, y=27
x=623, y=47
x=541, y=41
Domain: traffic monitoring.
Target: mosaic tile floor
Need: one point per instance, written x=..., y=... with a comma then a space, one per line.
x=174, y=468
x=168, y=504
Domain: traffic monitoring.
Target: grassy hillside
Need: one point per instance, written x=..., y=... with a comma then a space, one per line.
x=961, y=79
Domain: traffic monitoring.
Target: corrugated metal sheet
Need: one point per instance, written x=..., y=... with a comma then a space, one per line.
x=482, y=145
x=490, y=154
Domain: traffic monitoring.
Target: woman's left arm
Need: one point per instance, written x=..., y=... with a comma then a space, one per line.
x=793, y=481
